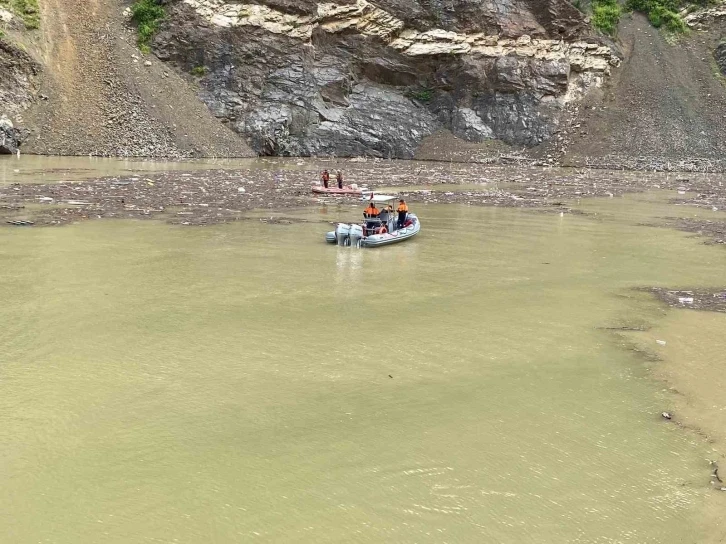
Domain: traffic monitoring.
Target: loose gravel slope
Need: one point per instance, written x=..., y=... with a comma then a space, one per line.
x=102, y=98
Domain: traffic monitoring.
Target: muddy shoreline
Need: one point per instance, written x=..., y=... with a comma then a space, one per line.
x=218, y=196
x=693, y=372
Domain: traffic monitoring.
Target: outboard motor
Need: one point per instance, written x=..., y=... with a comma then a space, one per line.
x=342, y=232
x=355, y=235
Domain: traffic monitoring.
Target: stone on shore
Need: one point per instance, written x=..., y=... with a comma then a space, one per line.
x=10, y=137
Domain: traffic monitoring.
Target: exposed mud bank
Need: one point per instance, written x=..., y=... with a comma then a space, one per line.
x=222, y=195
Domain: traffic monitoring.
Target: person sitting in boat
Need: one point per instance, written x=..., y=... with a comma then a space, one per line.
x=402, y=212
x=371, y=211
x=384, y=215
x=325, y=177
x=339, y=179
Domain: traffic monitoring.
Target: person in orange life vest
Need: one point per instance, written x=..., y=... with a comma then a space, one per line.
x=371, y=211
x=325, y=177
x=402, y=212
x=339, y=179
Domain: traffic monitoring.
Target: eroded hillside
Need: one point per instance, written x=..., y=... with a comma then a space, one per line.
x=455, y=79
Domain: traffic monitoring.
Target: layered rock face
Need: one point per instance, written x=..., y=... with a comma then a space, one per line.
x=357, y=78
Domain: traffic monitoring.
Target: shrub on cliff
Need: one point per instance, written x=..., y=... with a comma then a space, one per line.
x=27, y=10
x=606, y=15
x=663, y=13
x=147, y=14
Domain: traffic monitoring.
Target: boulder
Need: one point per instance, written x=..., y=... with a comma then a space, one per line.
x=720, y=55
x=10, y=137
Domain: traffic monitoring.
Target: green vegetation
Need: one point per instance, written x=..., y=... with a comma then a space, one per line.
x=606, y=15
x=423, y=95
x=663, y=13
x=27, y=10
x=147, y=14
x=199, y=71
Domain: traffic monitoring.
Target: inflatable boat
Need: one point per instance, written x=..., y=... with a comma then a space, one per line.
x=347, y=190
x=374, y=232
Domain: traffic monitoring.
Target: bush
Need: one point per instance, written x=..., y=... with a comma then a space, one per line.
x=606, y=16
x=660, y=16
x=663, y=13
x=424, y=95
x=199, y=71
x=147, y=15
x=27, y=10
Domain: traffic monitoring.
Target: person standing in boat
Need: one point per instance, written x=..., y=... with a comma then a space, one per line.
x=339, y=178
x=402, y=212
x=325, y=177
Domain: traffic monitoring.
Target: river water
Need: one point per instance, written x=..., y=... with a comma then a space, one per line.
x=248, y=382
x=43, y=169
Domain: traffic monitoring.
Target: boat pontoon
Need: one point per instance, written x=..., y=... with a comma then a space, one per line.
x=376, y=231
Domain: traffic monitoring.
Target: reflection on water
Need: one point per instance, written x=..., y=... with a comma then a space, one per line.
x=249, y=381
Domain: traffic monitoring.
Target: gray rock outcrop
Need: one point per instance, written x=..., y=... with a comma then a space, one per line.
x=10, y=137
x=720, y=55
x=356, y=78
x=17, y=87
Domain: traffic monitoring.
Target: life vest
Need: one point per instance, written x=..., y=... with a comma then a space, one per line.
x=326, y=176
x=402, y=208
x=372, y=211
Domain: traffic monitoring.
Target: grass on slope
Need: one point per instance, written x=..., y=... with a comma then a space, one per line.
x=27, y=10
x=662, y=13
x=606, y=15
x=147, y=14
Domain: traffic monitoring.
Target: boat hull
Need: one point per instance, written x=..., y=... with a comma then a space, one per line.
x=334, y=191
x=378, y=240
x=401, y=235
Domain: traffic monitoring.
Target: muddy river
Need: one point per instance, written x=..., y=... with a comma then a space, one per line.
x=246, y=382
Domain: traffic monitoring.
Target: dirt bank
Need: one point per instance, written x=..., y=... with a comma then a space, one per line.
x=664, y=107
x=223, y=195
x=103, y=98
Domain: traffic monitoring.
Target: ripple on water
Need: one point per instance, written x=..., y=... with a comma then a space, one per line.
x=245, y=381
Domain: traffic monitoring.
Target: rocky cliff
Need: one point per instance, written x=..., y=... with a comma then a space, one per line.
x=361, y=78
x=444, y=79
x=18, y=84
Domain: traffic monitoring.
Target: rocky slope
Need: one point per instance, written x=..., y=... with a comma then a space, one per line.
x=665, y=108
x=357, y=78
x=436, y=79
x=100, y=97
x=18, y=84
